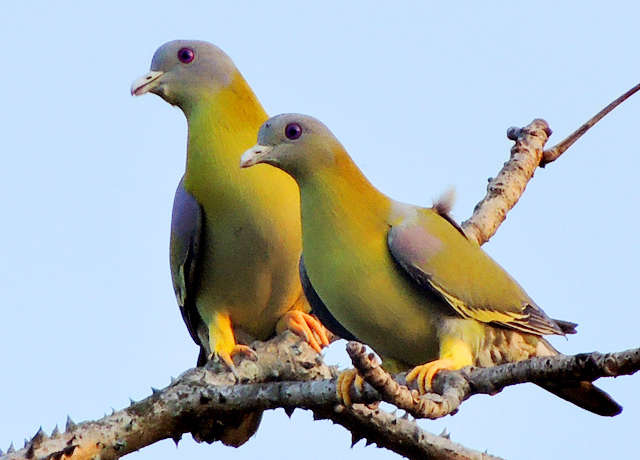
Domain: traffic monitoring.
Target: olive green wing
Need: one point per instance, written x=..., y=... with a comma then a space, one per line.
x=436, y=254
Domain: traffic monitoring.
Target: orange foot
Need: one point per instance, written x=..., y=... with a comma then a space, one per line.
x=237, y=349
x=426, y=372
x=346, y=380
x=307, y=327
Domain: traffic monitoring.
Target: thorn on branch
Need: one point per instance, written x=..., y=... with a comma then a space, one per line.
x=38, y=438
x=70, y=425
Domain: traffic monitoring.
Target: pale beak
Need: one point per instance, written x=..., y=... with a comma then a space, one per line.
x=145, y=83
x=255, y=155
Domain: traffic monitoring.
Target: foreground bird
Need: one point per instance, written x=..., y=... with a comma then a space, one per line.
x=404, y=279
x=235, y=235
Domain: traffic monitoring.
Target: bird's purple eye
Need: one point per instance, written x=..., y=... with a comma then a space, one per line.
x=293, y=131
x=186, y=55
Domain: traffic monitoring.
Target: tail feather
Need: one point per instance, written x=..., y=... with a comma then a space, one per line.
x=581, y=393
x=202, y=357
x=233, y=429
x=586, y=395
x=235, y=433
x=567, y=327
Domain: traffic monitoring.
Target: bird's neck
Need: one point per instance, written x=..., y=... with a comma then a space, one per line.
x=344, y=195
x=222, y=126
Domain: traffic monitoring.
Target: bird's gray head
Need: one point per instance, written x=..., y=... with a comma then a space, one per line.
x=297, y=144
x=184, y=70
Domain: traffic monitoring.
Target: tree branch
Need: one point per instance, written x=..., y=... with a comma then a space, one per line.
x=504, y=191
x=394, y=390
x=453, y=387
x=201, y=397
x=554, y=152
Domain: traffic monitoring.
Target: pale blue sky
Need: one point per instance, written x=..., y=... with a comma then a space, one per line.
x=421, y=96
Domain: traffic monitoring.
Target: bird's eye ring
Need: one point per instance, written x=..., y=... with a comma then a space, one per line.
x=293, y=131
x=186, y=55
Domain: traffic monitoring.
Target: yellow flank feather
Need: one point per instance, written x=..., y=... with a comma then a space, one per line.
x=457, y=350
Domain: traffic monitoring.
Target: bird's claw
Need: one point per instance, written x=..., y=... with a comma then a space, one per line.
x=346, y=380
x=425, y=373
x=238, y=349
x=307, y=327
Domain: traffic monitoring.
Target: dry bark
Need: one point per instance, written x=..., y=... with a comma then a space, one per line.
x=197, y=400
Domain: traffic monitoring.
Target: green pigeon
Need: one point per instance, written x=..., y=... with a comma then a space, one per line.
x=402, y=278
x=235, y=235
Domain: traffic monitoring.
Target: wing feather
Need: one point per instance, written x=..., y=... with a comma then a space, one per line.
x=434, y=252
x=186, y=233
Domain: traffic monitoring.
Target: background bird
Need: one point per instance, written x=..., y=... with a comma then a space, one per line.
x=235, y=235
x=402, y=278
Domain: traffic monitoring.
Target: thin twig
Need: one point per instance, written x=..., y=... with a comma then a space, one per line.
x=554, y=152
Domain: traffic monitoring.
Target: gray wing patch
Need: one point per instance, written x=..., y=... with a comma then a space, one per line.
x=186, y=232
x=411, y=247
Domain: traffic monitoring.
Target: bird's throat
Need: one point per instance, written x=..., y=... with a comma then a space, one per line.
x=222, y=125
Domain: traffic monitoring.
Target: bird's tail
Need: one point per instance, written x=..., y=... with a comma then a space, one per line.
x=233, y=429
x=586, y=395
x=238, y=428
x=581, y=393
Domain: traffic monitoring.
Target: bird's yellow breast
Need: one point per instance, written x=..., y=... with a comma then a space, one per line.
x=349, y=265
x=251, y=238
